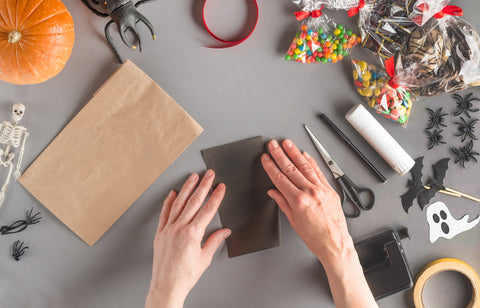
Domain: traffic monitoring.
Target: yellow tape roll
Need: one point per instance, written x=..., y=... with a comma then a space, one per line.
x=442, y=265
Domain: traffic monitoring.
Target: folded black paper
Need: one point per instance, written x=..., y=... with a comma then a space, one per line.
x=247, y=209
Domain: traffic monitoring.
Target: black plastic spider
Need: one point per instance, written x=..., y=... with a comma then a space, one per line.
x=465, y=154
x=464, y=104
x=466, y=129
x=21, y=225
x=436, y=118
x=434, y=138
x=18, y=250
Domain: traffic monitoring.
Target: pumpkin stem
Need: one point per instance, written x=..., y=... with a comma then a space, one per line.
x=14, y=36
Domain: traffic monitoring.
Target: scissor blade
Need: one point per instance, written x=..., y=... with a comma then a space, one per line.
x=323, y=152
x=332, y=165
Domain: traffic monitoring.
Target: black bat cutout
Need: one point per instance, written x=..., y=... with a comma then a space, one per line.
x=415, y=185
x=436, y=183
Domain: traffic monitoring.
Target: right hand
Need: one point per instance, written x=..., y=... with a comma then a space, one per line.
x=311, y=205
x=315, y=212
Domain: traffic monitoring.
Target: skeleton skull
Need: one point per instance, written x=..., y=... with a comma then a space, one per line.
x=443, y=224
x=17, y=112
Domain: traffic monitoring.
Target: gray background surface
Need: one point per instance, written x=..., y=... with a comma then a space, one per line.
x=234, y=94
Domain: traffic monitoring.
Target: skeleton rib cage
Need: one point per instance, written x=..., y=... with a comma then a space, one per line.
x=12, y=134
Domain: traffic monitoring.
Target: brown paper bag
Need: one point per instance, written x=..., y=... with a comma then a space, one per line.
x=108, y=155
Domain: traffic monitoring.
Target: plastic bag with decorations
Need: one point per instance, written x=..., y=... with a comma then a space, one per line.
x=374, y=84
x=319, y=39
x=385, y=25
x=443, y=56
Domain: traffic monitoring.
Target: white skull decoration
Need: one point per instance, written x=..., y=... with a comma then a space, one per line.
x=443, y=224
x=17, y=112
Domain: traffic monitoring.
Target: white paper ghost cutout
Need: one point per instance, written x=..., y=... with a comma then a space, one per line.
x=443, y=224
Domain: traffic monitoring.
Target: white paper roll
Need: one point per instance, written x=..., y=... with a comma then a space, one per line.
x=367, y=126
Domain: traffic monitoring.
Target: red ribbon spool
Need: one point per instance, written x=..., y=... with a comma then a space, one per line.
x=228, y=43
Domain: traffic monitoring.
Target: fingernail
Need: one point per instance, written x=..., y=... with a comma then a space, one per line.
x=171, y=193
x=288, y=143
x=307, y=156
x=209, y=173
x=227, y=233
x=193, y=177
x=266, y=157
x=274, y=144
x=221, y=186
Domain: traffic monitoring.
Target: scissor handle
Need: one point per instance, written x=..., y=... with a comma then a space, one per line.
x=345, y=196
x=352, y=193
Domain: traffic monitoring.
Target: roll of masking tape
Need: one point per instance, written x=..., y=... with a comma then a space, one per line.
x=442, y=265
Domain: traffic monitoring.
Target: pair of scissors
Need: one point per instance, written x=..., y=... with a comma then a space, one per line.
x=358, y=197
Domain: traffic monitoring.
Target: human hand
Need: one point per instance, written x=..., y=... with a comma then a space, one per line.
x=179, y=259
x=311, y=205
x=314, y=211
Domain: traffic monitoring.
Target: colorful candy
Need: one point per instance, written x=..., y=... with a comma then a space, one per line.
x=372, y=84
x=314, y=45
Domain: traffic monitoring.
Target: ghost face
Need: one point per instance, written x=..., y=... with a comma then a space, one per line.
x=443, y=224
x=17, y=112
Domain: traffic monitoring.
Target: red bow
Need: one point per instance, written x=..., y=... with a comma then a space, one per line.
x=390, y=68
x=304, y=14
x=354, y=10
x=449, y=10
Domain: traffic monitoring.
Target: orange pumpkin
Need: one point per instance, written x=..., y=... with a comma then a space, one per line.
x=36, y=40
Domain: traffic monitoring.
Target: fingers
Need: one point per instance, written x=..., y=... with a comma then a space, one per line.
x=287, y=167
x=214, y=241
x=207, y=212
x=280, y=180
x=281, y=201
x=315, y=167
x=196, y=199
x=183, y=195
x=165, y=213
x=300, y=162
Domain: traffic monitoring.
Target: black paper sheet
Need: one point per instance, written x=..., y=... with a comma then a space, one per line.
x=247, y=209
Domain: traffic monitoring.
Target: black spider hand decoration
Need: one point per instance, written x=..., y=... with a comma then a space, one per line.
x=18, y=250
x=436, y=118
x=21, y=225
x=434, y=138
x=124, y=13
x=465, y=154
x=464, y=104
x=466, y=129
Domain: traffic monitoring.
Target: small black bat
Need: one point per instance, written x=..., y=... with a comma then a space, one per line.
x=415, y=185
x=436, y=183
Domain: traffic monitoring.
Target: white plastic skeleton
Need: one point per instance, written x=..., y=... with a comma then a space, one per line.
x=12, y=135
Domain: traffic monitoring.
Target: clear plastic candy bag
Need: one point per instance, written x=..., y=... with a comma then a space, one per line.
x=392, y=101
x=443, y=56
x=385, y=25
x=423, y=10
x=319, y=39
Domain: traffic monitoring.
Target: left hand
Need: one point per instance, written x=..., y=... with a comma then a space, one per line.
x=179, y=259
